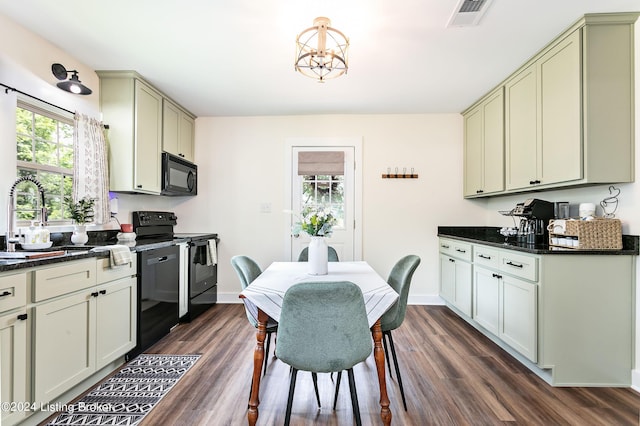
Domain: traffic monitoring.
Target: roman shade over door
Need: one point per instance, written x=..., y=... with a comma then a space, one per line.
x=320, y=163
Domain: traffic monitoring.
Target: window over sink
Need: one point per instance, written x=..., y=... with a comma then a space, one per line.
x=44, y=142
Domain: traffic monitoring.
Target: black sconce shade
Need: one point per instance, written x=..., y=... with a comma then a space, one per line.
x=72, y=85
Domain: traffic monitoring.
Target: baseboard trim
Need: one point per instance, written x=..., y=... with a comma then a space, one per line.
x=635, y=380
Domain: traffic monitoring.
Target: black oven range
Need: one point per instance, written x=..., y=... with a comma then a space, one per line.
x=177, y=275
x=202, y=268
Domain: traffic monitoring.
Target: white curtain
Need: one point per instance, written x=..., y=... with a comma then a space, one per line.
x=90, y=175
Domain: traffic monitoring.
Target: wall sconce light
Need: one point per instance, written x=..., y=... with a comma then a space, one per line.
x=72, y=85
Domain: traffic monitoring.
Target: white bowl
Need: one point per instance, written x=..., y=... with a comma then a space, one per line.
x=36, y=246
x=126, y=236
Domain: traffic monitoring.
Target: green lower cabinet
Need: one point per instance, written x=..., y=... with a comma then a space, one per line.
x=64, y=344
x=518, y=316
x=486, y=299
x=13, y=364
x=455, y=285
x=568, y=317
x=506, y=307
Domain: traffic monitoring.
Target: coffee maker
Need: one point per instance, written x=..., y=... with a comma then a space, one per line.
x=534, y=218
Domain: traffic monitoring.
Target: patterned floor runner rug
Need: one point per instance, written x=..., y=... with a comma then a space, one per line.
x=129, y=395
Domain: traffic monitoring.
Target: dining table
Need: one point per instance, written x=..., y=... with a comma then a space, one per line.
x=263, y=300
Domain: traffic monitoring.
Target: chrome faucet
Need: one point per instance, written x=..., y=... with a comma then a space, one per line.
x=11, y=238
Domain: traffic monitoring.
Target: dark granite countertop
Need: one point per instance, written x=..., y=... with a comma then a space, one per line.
x=489, y=235
x=91, y=249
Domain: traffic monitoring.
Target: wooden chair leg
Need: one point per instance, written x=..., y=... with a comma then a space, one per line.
x=292, y=388
x=354, y=397
x=335, y=398
x=395, y=363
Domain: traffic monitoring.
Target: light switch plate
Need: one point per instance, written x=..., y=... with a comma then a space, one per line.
x=265, y=207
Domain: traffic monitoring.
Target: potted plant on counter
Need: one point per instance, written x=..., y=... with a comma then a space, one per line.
x=81, y=213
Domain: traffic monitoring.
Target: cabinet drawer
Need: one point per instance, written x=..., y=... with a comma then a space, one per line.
x=521, y=266
x=105, y=273
x=13, y=291
x=457, y=249
x=64, y=278
x=486, y=256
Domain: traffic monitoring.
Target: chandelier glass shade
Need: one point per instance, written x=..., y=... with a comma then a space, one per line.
x=321, y=51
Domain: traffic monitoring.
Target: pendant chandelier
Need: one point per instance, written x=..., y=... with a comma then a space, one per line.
x=321, y=51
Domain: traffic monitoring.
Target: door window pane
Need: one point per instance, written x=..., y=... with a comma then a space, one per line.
x=324, y=190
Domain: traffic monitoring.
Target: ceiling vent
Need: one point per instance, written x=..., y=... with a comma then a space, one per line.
x=468, y=13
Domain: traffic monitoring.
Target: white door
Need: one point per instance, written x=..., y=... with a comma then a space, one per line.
x=335, y=191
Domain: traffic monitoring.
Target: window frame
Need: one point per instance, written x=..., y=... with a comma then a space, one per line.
x=59, y=115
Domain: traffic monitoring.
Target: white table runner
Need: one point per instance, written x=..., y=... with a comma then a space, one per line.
x=267, y=291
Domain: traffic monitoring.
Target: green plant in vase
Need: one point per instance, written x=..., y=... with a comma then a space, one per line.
x=81, y=212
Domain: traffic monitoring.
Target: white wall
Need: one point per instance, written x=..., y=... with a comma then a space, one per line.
x=242, y=166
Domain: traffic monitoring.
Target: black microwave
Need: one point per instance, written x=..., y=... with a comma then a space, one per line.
x=179, y=176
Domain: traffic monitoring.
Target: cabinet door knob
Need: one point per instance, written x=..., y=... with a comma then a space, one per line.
x=484, y=257
x=479, y=191
x=496, y=276
x=5, y=293
x=451, y=260
x=22, y=317
x=515, y=264
x=103, y=291
x=94, y=294
x=461, y=251
x=534, y=182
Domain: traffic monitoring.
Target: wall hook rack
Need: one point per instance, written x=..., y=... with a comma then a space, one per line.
x=398, y=175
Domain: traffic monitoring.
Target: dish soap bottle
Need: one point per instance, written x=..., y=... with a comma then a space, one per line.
x=44, y=234
x=31, y=236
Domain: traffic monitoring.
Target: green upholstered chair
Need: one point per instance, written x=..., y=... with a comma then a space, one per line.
x=248, y=270
x=332, y=256
x=400, y=279
x=323, y=328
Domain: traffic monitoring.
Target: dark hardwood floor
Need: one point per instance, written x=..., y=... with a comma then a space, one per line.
x=452, y=375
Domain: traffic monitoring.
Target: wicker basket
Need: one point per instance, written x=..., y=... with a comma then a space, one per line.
x=596, y=234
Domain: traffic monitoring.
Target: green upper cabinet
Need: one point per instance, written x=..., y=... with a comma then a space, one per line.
x=521, y=115
x=484, y=146
x=543, y=108
x=177, y=131
x=142, y=123
x=568, y=112
x=133, y=110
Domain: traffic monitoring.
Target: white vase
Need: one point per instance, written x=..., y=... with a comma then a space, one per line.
x=318, y=256
x=79, y=235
